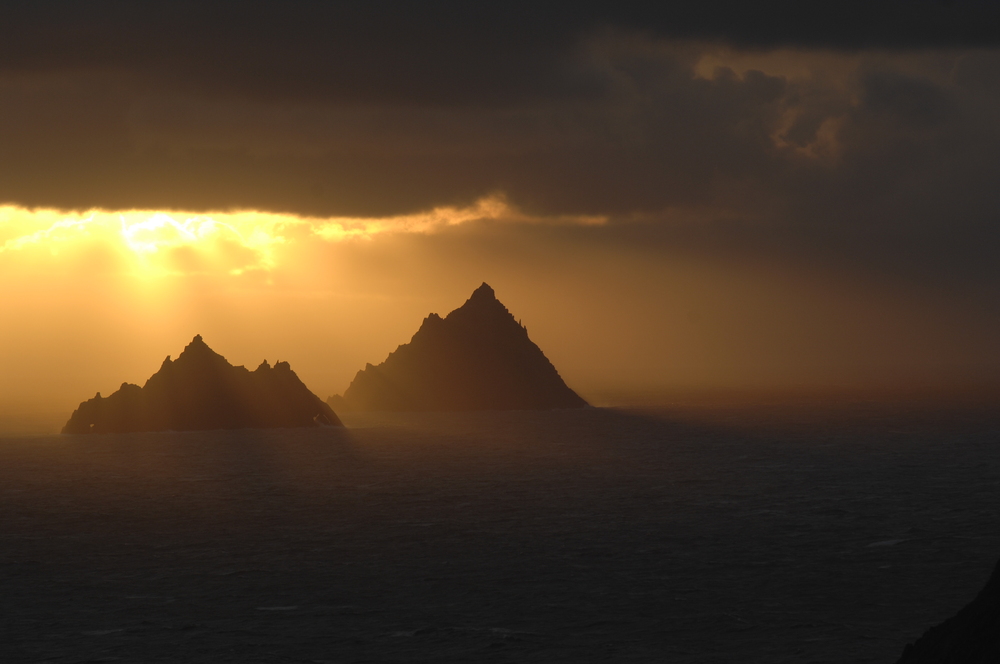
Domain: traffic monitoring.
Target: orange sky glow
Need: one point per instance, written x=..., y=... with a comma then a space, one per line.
x=664, y=212
x=96, y=298
x=93, y=298
x=147, y=243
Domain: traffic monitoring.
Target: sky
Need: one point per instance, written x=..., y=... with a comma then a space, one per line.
x=731, y=195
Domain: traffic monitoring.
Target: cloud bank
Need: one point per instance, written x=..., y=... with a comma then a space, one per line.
x=863, y=139
x=715, y=192
x=151, y=243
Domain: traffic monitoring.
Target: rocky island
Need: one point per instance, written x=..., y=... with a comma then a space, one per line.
x=972, y=636
x=478, y=357
x=200, y=390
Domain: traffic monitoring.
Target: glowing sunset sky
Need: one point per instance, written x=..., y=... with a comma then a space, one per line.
x=668, y=198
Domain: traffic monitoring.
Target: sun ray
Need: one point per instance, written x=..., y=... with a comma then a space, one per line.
x=157, y=243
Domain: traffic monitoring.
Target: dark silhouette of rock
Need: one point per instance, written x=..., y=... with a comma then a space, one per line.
x=476, y=358
x=972, y=636
x=200, y=390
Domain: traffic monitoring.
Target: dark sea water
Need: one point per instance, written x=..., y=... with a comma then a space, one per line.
x=806, y=535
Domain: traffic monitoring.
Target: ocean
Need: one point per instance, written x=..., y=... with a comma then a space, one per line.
x=725, y=535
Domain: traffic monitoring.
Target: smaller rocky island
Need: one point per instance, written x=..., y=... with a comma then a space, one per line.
x=478, y=357
x=200, y=391
x=972, y=636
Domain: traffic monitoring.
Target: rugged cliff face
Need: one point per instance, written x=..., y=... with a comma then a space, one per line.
x=972, y=636
x=478, y=357
x=201, y=390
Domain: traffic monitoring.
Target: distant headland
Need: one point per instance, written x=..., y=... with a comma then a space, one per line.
x=972, y=636
x=478, y=357
x=200, y=390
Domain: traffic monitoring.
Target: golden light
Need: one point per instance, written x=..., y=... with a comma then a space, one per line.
x=92, y=297
x=151, y=243
x=146, y=243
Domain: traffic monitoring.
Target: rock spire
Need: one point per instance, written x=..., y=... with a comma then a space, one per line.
x=201, y=390
x=478, y=357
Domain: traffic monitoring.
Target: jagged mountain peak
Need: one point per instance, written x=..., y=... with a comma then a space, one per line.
x=483, y=292
x=202, y=390
x=482, y=308
x=478, y=357
x=197, y=343
x=196, y=348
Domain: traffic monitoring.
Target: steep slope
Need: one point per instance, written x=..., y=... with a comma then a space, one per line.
x=201, y=390
x=972, y=636
x=476, y=358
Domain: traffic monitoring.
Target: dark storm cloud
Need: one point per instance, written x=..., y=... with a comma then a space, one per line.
x=437, y=51
x=868, y=143
x=905, y=98
x=413, y=52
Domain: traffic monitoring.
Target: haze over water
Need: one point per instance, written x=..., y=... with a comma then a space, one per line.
x=672, y=199
x=581, y=536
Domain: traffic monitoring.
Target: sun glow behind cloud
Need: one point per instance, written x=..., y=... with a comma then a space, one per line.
x=150, y=243
x=95, y=297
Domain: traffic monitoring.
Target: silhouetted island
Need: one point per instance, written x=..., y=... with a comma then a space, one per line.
x=972, y=636
x=200, y=390
x=476, y=358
